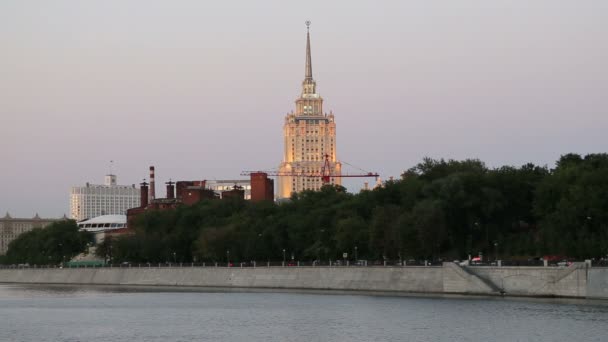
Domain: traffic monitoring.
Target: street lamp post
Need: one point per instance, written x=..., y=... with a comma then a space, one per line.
x=320, y=246
x=283, y=256
x=174, y=258
x=356, y=256
x=496, y=251
x=227, y=258
x=258, y=248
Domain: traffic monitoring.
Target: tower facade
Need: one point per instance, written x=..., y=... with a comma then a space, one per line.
x=309, y=136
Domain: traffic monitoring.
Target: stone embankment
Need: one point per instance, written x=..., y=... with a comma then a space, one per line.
x=577, y=280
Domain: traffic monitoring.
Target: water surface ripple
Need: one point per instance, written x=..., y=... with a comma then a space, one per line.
x=43, y=313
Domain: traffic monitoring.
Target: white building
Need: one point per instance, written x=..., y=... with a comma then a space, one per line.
x=219, y=185
x=94, y=200
x=102, y=225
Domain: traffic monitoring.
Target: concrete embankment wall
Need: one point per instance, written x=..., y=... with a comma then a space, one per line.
x=597, y=285
x=410, y=279
x=574, y=281
x=537, y=281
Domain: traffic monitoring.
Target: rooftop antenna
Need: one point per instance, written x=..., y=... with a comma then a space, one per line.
x=307, y=22
x=111, y=167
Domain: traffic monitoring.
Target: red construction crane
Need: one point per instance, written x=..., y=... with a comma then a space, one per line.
x=325, y=173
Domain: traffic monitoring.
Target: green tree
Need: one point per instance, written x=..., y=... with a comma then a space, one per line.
x=58, y=242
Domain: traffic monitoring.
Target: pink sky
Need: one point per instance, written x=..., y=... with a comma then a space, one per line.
x=200, y=89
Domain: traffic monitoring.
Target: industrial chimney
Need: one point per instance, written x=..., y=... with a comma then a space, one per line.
x=143, y=194
x=152, y=194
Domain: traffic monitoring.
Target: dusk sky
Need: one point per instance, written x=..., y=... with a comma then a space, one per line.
x=200, y=88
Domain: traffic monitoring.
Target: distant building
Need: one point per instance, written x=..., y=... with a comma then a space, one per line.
x=262, y=187
x=11, y=228
x=192, y=192
x=94, y=200
x=104, y=222
x=221, y=185
x=102, y=226
x=309, y=135
x=178, y=193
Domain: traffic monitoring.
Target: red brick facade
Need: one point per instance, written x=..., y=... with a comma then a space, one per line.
x=262, y=187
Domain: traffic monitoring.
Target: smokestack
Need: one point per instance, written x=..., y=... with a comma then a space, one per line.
x=170, y=189
x=143, y=193
x=152, y=194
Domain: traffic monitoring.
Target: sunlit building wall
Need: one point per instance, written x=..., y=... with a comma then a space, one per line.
x=309, y=135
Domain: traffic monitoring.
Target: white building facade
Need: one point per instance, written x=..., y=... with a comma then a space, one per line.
x=94, y=200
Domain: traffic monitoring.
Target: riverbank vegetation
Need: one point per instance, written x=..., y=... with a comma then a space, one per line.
x=58, y=242
x=438, y=210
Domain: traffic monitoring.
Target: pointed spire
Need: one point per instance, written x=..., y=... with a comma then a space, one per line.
x=308, y=72
x=308, y=85
x=7, y=216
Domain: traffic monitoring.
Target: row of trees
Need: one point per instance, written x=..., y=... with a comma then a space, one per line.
x=438, y=210
x=58, y=242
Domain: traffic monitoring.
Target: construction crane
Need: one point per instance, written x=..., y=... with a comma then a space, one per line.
x=325, y=173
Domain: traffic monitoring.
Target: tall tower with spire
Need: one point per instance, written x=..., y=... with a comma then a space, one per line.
x=309, y=134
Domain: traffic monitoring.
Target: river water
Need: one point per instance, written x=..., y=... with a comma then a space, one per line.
x=71, y=313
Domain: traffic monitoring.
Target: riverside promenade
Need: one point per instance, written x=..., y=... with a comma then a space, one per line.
x=578, y=280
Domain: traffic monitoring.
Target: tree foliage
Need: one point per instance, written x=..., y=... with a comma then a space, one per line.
x=58, y=242
x=444, y=209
